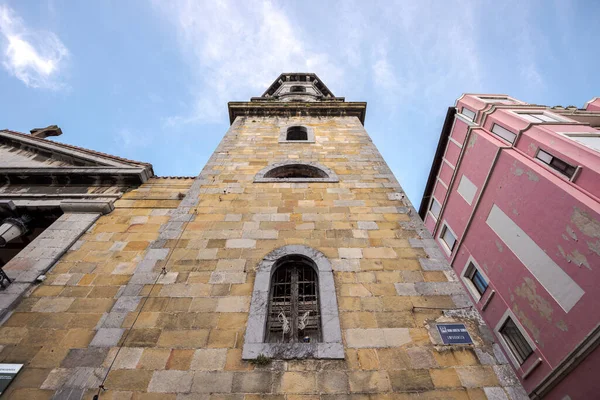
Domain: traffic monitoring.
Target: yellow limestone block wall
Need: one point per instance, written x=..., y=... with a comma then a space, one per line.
x=106, y=316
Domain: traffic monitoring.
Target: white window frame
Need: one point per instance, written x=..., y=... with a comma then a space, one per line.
x=531, y=113
x=498, y=99
x=433, y=199
x=445, y=245
x=573, y=135
x=511, y=356
x=541, y=158
x=469, y=282
x=464, y=111
x=503, y=133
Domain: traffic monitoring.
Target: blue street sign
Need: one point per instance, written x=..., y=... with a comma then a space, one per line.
x=454, y=334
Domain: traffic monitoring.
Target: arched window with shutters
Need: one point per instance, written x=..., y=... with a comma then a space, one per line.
x=293, y=312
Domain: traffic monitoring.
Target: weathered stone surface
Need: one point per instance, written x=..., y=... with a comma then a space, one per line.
x=184, y=328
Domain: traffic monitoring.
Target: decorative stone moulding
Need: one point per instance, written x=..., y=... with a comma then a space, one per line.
x=285, y=171
x=330, y=347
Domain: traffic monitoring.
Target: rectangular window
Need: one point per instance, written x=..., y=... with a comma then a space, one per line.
x=492, y=99
x=504, y=133
x=591, y=140
x=538, y=117
x=448, y=238
x=556, y=163
x=479, y=282
x=468, y=113
x=435, y=207
x=517, y=343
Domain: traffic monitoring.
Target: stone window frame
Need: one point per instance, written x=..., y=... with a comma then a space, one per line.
x=330, y=347
x=310, y=134
x=331, y=176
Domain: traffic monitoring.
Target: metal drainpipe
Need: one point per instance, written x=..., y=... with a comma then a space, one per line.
x=483, y=187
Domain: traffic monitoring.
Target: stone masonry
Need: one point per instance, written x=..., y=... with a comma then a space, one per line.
x=152, y=302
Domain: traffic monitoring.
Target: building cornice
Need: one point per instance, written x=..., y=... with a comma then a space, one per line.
x=297, y=109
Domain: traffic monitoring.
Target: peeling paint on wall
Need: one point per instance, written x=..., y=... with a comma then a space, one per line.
x=586, y=224
x=562, y=325
x=499, y=246
x=532, y=176
x=576, y=257
x=571, y=232
x=532, y=148
x=472, y=141
x=528, y=291
x=527, y=323
x=594, y=246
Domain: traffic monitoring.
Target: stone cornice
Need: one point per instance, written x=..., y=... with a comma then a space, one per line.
x=75, y=175
x=297, y=109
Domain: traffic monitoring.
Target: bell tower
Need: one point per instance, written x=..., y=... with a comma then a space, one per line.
x=293, y=267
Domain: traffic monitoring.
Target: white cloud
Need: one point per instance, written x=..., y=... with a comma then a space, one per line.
x=235, y=49
x=34, y=57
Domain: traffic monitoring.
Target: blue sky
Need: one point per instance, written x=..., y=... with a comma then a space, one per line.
x=150, y=80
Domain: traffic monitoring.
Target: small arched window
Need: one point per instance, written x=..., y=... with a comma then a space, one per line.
x=297, y=133
x=297, y=89
x=296, y=172
x=293, y=315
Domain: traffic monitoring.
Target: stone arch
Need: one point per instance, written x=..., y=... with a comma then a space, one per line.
x=330, y=346
x=294, y=171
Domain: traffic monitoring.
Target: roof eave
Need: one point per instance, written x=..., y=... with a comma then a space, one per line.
x=437, y=161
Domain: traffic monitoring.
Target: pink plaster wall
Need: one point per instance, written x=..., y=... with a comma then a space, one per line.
x=562, y=217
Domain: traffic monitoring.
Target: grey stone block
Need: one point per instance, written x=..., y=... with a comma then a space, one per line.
x=212, y=382
x=439, y=288
x=90, y=357
x=433, y=265
x=107, y=337
x=126, y=304
x=406, y=289
x=171, y=382
x=495, y=393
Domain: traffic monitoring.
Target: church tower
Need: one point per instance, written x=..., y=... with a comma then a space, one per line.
x=292, y=267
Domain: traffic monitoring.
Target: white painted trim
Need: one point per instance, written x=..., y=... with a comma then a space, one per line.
x=463, y=119
x=456, y=142
x=469, y=283
x=467, y=189
x=508, y=313
x=431, y=200
x=462, y=112
x=442, y=182
x=444, y=246
x=512, y=142
x=448, y=162
x=545, y=111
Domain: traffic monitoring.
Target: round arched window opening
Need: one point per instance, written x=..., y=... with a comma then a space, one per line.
x=297, y=89
x=296, y=171
x=293, y=315
x=297, y=133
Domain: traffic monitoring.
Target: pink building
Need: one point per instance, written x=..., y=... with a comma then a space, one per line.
x=513, y=201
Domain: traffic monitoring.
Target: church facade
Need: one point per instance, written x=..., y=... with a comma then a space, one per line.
x=292, y=267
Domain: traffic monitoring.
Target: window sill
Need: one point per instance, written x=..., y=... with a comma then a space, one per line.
x=289, y=351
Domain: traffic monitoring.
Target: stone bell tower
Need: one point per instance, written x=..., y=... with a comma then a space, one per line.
x=293, y=267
